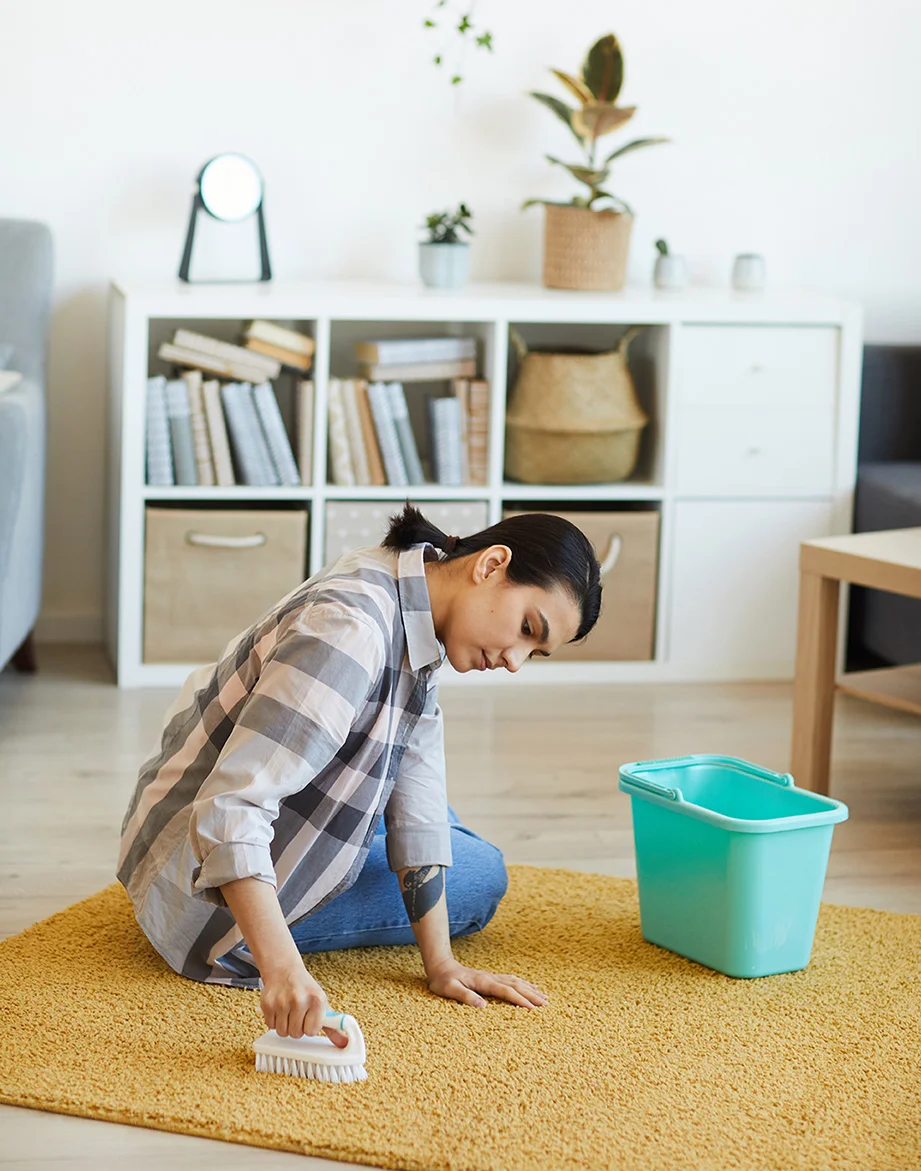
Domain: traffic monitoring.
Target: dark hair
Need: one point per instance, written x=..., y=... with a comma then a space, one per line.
x=547, y=551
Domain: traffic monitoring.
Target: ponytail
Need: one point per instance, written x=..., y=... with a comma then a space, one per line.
x=547, y=551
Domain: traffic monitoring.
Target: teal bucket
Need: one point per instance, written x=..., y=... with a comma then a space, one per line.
x=730, y=861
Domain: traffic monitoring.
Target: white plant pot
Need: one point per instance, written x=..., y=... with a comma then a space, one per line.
x=671, y=272
x=748, y=272
x=444, y=266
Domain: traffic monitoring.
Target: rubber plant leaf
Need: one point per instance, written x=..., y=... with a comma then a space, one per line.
x=576, y=87
x=635, y=145
x=563, y=112
x=588, y=175
x=603, y=69
x=597, y=119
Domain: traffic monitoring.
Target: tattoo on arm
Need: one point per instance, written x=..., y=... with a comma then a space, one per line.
x=422, y=888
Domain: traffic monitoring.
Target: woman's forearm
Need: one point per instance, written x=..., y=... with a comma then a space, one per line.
x=254, y=904
x=423, y=890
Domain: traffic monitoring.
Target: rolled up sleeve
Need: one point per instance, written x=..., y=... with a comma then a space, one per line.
x=416, y=815
x=298, y=715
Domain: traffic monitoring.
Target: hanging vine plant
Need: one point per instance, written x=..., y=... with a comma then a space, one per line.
x=453, y=19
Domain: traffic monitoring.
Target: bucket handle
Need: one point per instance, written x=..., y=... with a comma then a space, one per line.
x=652, y=787
x=521, y=346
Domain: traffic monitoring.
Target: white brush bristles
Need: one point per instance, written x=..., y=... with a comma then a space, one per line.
x=310, y=1069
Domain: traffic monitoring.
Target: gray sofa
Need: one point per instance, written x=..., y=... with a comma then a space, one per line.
x=26, y=256
x=885, y=629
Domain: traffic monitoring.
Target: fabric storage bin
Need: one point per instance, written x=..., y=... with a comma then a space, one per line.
x=730, y=861
x=355, y=524
x=209, y=574
x=627, y=545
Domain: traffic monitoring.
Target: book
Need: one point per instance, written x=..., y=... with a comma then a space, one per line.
x=281, y=336
x=395, y=350
x=180, y=432
x=217, y=432
x=204, y=463
x=286, y=357
x=159, y=447
x=478, y=431
x=387, y=437
x=417, y=371
x=444, y=428
x=200, y=343
x=340, y=455
x=251, y=454
x=372, y=447
x=276, y=437
x=304, y=423
x=353, y=430
x=461, y=387
x=400, y=412
x=212, y=364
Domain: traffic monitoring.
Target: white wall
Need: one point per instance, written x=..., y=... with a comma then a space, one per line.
x=793, y=126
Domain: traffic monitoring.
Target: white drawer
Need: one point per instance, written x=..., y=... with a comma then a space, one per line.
x=758, y=365
x=761, y=452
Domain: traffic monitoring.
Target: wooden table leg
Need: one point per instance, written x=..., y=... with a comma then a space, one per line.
x=814, y=683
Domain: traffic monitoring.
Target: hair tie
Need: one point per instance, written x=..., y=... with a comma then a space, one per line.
x=451, y=544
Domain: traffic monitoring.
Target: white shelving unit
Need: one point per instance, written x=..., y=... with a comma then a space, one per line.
x=751, y=447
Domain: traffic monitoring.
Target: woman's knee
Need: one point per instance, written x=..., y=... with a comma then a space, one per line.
x=482, y=881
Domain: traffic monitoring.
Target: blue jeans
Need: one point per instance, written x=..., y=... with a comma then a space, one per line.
x=371, y=912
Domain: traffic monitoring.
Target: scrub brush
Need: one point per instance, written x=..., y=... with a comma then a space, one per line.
x=315, y=1057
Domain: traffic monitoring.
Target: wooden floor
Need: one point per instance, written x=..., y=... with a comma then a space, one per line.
x=534, y=769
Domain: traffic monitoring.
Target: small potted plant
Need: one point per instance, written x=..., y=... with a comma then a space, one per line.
x=444, y=259
x=586, y=240
x=671, y=271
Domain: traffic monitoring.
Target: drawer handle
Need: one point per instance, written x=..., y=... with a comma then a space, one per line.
x=214, y=541
x=753, y=451
x=610, y=559
x=756, y=369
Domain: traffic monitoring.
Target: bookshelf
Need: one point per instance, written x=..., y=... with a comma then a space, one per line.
x=751, y=447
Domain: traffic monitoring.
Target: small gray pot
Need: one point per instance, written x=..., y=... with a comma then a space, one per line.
x=671, y=272
x=444, y=266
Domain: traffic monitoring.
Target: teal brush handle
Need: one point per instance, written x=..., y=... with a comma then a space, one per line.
x=335, y=1020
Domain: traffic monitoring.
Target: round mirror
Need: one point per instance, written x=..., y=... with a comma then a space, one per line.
x=231, y=187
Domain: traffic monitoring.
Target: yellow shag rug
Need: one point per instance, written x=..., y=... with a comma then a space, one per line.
x=642, y=1060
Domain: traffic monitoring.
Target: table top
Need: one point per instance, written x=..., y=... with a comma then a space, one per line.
x=888, y=560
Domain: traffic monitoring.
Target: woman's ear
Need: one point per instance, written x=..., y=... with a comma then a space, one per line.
x=491, y=562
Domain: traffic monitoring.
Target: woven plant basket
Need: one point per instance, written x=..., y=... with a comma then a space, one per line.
x=573, y=418
x=585, y=249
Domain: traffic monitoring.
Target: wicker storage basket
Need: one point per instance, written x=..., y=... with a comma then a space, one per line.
x=573, y=418
x=585, y=249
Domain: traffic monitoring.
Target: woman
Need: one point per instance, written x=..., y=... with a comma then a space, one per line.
x=252, y=836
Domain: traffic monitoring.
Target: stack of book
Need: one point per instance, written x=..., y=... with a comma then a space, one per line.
x=287, y=346
x=416, y=359
x=371, y=439
x=204, y=432
x=267, y=348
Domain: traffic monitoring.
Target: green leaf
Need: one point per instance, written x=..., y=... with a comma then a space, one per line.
x=429, y=24
x=635, y=145
x=464, y=25
x=562, y=111
x=621, y=204
x=456, y=79
x=603, y=69
x=438, y=59
x=485, y=41
x=587, y=175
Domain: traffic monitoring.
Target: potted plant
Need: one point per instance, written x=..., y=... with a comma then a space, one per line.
x=444, y=259
x=671, y=271
x=586, y=240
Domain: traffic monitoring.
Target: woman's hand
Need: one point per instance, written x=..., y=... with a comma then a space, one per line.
x=294, y=1004
x=454, y=981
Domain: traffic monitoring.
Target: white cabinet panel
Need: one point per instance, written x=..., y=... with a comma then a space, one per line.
x=758, y=365
x=736, y=453
x=735, y=583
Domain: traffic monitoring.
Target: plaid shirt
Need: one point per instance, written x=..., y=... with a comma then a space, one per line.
x=278, y=761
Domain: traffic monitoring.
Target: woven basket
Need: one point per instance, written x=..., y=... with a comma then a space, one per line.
x=573, y=418
x=585, y=249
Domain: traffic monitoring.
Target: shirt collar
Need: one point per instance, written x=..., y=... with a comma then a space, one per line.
x=422, y=644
